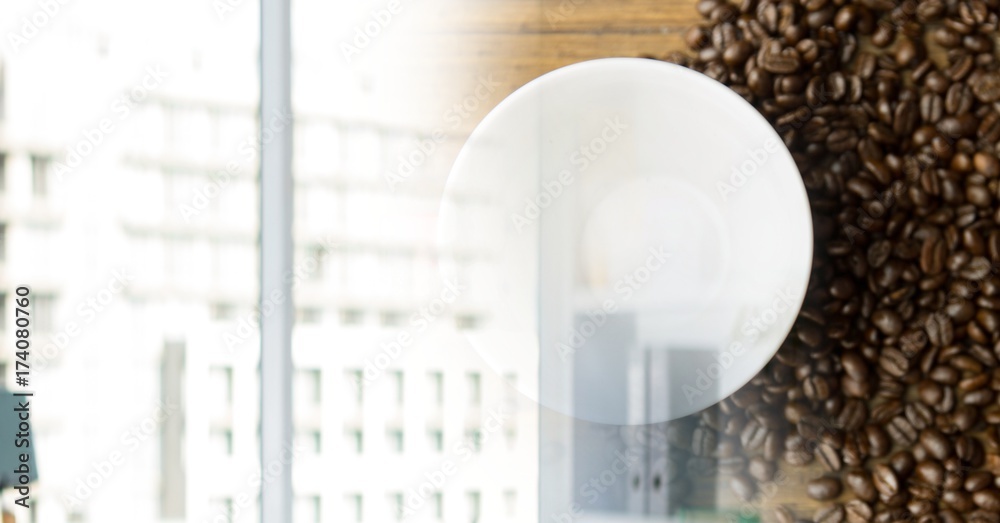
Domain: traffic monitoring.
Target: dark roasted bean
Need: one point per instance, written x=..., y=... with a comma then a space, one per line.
x=885, y=480
x=831, y=514
x=858, y=511
x=861, y=484
x=824, y=488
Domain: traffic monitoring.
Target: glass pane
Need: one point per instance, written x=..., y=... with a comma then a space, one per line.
x=128, y=204
x=384, y=98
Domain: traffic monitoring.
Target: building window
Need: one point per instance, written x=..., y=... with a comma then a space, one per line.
x=354, y=440
x=436, y=382
x=397, y=392
x=394, y=440
x=510, y=434
x=310, y=440
x=3, y=311
x=353, y=502
x=475, y=439
x=510, y=503
x=3, y=241
x=390, y=319
x=436, y=439
x=472, y=506
x=355, y=385
x=396, y=506
x=3, y=172
x=466, y=321
x=40, y=175
x=3, y=93
x=318, y=255
x=307, y=509
x=44, y=309
x=223, y=311
x=307, y=387
x=308, y=316
x=475, y=385
x=221, y=442
x=351, y=317
x=437, y=505
x=221, y=510
x=220, y=382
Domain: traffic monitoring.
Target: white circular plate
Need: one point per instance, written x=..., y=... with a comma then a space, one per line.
x=632, y=230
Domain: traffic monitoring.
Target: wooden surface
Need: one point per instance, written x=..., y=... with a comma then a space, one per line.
x=516, y=41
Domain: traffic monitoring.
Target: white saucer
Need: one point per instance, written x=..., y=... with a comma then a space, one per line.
x=643, y=193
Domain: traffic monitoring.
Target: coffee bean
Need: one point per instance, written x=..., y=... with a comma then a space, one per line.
x=828, y=456
x=783, y=515
x=987, y=499
x=798, y=457
x=977, y=481
x=753, y=435
x=853, y=415
x=831, y=514
x=945, y=375
x=761, y=469
x=949, y=516
x=901, y=431
x=778, y=60
x=964, y=125
x=983, y=516
x=919, y=415
x=885, y=480
x=703, y=441
x=960, y=500
x=986, y=87
x=841, y=140
x=968, y=448
x=743, y=487
x=861, y=484
x=878, y=441
x=887, y=321
x=930, y=472
x=894, y=362
x=937, y=445
x=736, y=54
x=902, y=463
x=858, y=511
x=824, y=488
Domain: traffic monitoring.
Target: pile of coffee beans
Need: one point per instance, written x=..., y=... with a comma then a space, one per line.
x=890, y=378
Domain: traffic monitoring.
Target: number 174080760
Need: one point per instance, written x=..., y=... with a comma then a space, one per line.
x=22, y=320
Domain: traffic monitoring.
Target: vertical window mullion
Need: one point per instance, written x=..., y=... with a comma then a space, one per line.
x=276, y=258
